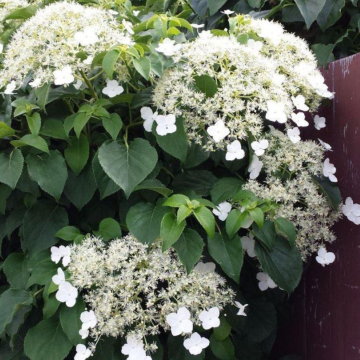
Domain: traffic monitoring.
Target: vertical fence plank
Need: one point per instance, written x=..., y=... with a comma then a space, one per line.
x=325, y=323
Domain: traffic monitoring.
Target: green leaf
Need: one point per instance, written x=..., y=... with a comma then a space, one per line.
x=267, y=235
x=176, y=200
x=54, y=129
x=23, y=13
x=104, y=349
x=283, y=264
x=34, y=123
x=80, y=189
x=154, y=185
x=41, y=223
x=170, y=230
x=196, y=155
x=70, y=321
x=235, y=221
x=183, y=213
x=105, y=185
x=128, y=166
x=15, y=268
x=10, y=303
x=5, y=192
x=330, y=13
x=113, y=125
x=77, y=153
x=228, y=254
x=143, y=67
x=310, y=9
x=324, y=53
x=258, y=216
x=215, y=5
x=200, y=7
x=206, y=219
x=223, y=331
x=225, y=189
x=222, y=349
x=206, y=84
x=144, y=220
x=42, y=273
x=35, y=141
x=189, y=248
x=142, y=98
x=109, y=229
x=255, y=3
x=47, y=341
x=68, y=233
x=329, y=189
x=286, y=229
x=109, y=61
x=175, y=144
x=11, y=166
x=5, y=130
x=49, y=171
x=80, y=121
x=51, y=304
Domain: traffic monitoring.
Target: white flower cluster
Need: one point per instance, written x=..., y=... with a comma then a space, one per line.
x=131, y=286
x=47, y=45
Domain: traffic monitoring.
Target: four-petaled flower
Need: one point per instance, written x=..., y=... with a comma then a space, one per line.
x=112, y=88
x=324, y=257
x=351, y=211
x=88, y=319
x=195, y=344
x=294, y=135
x=149, y=116
x=320, y=122
x=180, y=322
x=165, y=124
x=276, y=112
x=82, y=352
x=329, y=170
x=84, y=333
x=234, y=151
x=222, y=210
x=241, y=307
x=67, y=294
x=218, y=131
x=10, y=88
x=133, y=344
x=59, y=278
x=63, y=76
x=260, y=146
x=210, y=319
x=86, y=37
x=168, y=47
x=203, y=268
x=299, y=103
x=255, y=167
x=63, y=252
x=248, y=244
x=35, y=83
x=265, y=282
x=299, y=119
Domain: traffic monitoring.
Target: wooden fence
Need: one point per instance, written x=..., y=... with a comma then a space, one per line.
x=325, y=309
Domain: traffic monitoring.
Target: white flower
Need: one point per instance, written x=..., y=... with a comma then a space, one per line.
x=64, y=76
x=195, y=344
x=138, y=354
x=278, y=79
x=88, y=320
x=165, y=124
x=351, y=211
x=325, y=145
x=204, y=35
x=87, y=36
x=227, y=12
x=197, y=26
x=82, y=352
x=234, y=151
x=61, y=252
x=59, y=278
x=132, y=345
x=88, y=60
x=149, y=116
x=35, y=83
x=253, y=44
x=255, y=167
x=67, y=294
x=113, y=12
x=168, y=47
x=78, y=84
x=265, y=281
x=1, y=48
x=128, y=27
x=294, y=135
x=222, y=210
x=203, y=268
x=241, y=307
x=329, y=170
x=210, y=319
x=276, y=112
x=112, y=89
x=320, y=122
x=10, y=88
x=83, y=333
x=136, y=12
x=218, y=131
x=299, y=119
x=180, y=322
x=248, y=244
x=260, y=146
x=299, y=103
x=324, y=257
